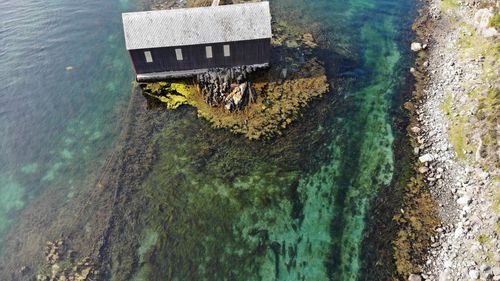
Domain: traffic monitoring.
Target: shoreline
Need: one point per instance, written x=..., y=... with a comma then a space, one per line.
x=458, y=171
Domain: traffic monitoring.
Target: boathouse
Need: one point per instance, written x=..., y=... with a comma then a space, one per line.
x=185, y=42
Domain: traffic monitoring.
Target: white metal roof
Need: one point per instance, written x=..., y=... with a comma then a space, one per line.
x=192, y=26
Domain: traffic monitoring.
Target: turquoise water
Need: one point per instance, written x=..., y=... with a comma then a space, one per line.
x=217, y=207
x=65, y=80
x=214, y=206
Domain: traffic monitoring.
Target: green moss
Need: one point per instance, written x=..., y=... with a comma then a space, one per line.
x=422, y=55
x=172, y=95
x=483, y=238
x=495, y=21
x=446, y=105
x=458, y=136
x=449, y=4
x=496, y=201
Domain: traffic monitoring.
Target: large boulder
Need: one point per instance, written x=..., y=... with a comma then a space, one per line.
x=415, y=46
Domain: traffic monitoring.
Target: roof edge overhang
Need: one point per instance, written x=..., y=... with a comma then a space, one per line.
x=204, y=44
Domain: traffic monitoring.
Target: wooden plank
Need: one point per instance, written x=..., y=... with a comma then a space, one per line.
x=159, y=76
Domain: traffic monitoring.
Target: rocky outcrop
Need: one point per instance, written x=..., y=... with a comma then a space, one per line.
x=257, y=104
x=62, y=265
x=229, y=88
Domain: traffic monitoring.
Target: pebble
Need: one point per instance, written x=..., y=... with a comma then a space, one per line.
x=464, y=200
x=474, y=274
x=414, y=277
x=425, y=158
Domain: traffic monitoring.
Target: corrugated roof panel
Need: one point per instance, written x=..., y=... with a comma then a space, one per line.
x=193, y=26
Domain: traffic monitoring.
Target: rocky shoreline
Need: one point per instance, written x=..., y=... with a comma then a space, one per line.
x=455, y=129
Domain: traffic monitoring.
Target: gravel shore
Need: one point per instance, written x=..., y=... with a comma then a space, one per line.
x=461, y=173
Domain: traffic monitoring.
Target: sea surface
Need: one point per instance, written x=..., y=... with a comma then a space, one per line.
x=213, y=206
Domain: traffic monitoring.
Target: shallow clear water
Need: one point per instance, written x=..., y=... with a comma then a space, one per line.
x=57, y=124
x=214, y=206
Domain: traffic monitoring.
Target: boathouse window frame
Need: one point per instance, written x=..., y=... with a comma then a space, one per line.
x=208, y=52
x=148, y=56
x=227, y=50
x=178, y=54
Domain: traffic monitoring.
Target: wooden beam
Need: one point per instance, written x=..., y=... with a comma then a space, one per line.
x=215, y=2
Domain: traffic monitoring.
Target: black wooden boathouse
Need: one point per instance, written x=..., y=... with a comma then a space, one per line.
x=185, y=42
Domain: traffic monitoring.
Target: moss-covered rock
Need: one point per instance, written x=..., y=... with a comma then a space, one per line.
x=294, y=79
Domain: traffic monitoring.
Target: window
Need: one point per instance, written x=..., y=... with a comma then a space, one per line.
x=178, y=54
x=147, y=55
x=227, y=51
x=208, y=51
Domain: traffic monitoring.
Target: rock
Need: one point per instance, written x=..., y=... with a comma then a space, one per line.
x=423, y=170
x=415, y=46
x=69, y=68
x=291, y=44
x=484, y=268
x=464, y=200
x=474, y=274
x=309, y=40
x=481, y=23
x=415, y=129
x=24, y=270
x=284, y=73
x=41, y=277
x=496, y=270
x=426, y=158
x=85, y=272
x=55, y=269
x=414, y=277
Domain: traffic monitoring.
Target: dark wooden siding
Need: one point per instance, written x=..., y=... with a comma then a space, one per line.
x=194, y=57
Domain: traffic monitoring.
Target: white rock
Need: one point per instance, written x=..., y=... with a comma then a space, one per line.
x=416, y=130
x=415, y=46
x=464, y=200
x=474, y=274
x=425, y=158
x=459, y=231
x=481, y=22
